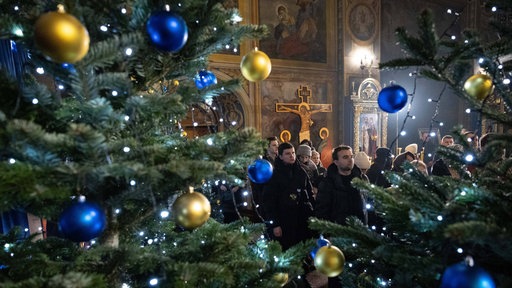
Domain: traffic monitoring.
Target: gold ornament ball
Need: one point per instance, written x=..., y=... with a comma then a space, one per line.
x=255, y=66
x=191, y=210
x=479, y=86
x=61, y=37
x=184, y=134
x=280, y=278
x=329, y=260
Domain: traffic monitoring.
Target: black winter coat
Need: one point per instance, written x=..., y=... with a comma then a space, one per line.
x=286, y=198
x=375, y=175
x=337, y=199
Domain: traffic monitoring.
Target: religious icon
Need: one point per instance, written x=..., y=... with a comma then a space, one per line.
x=369, y=133
x=304, y=110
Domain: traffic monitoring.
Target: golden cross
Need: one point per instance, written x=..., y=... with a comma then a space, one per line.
x=304, y=109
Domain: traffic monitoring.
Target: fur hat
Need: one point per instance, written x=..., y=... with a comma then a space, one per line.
x=413, y=148
x=362, y=160
x=304, y=150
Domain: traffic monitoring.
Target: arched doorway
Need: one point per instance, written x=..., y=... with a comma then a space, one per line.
x=224, y=112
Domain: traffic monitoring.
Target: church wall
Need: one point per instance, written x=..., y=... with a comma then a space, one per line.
x=331, y=68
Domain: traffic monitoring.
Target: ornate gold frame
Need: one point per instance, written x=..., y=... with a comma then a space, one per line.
x=365, y=102
x=331, y=43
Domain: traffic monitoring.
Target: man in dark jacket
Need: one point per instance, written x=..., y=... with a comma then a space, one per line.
x=337, y=199
x=288, y=199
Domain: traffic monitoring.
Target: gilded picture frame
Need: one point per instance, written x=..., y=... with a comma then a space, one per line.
x=299, y=32
x=370, y=122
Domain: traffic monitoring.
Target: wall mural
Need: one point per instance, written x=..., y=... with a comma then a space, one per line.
x=293, y=107
x=298, y=29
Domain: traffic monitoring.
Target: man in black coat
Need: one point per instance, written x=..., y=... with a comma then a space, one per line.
x=337, y=199
x=288, y=199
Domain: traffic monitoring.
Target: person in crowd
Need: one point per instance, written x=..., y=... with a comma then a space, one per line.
x=288, y=199
x=400, y=159
x=383, y=162
x=307, y=142
x=472, y=138
x=442, y=168
x=421, y=166
x=413, y=148
x=304, y=153
x=337, y=199
x=271, y=152
x=228, y=203
x=446, y=141
x=362, y=161
x=322, y=171
x=315, y=157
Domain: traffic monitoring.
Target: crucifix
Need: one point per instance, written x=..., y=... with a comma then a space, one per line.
x=304, y=109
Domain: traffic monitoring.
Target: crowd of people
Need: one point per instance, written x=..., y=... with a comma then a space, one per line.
x=301, y=187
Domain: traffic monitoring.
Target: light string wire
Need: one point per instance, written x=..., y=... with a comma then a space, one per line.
x=408, y=115
x=437, y=101
x=434, y=116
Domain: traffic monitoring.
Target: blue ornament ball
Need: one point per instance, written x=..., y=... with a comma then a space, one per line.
x=320, y=242
x=167, y=31
x=461, y=275
x=313, y=252
x=260, y=171
x=82, y=221
x=392, y=98
x=204, y=79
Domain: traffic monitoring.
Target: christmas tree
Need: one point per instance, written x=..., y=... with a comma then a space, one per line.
x=91, y=142
x=444, y=231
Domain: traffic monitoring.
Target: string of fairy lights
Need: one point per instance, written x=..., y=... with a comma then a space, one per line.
x=164, y=214
x=414, y=75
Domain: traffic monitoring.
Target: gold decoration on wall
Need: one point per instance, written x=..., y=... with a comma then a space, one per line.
x=304, y=110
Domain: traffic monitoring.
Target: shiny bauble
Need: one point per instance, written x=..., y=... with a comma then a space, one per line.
x=204, y=79
x=82, y=221
x=461, y=275
x=321, y=242
x=329, y=260
x=255, y=66
x=191, y=210
x=280, y=278
x=479, y=86
x=260, y=171
x=392, y=98
x=61, y=37
x=167, y=31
